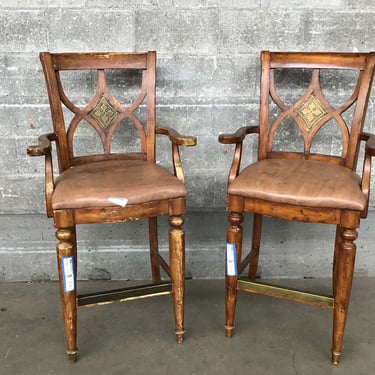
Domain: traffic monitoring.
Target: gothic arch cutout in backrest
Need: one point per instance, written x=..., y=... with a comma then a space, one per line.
x=104, y=112
x=307, y=111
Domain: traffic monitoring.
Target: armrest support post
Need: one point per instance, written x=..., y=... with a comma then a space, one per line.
x=177, y=140
x=366, y=171
x=44, y=148
x=237, y=138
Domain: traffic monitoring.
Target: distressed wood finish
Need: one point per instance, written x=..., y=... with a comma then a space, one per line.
x=310, y=112
x=104, y=113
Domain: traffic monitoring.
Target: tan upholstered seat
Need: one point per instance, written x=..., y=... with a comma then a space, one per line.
x=300, y=182
x=310, y=134
x=94, y=184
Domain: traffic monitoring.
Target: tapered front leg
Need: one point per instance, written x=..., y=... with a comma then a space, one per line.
x=343, y=276
x=177, y=268
x=233, y=259
x=67, y=266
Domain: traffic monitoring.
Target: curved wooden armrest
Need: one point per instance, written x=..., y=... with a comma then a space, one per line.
x=175, y=137
x=366, y=171
x=177, y=140
x=370, y=143
x=43, y=147
x=237, y=139
x=239, y=135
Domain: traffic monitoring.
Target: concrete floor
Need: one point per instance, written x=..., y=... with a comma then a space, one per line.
x=271, y=337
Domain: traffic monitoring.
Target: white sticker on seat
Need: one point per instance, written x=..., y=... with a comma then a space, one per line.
x=118, y=201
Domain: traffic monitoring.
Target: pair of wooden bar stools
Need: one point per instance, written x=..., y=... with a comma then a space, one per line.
x=312, y=178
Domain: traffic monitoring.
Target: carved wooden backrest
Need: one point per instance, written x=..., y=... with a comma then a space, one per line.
x=92, y=107
x=317, y=99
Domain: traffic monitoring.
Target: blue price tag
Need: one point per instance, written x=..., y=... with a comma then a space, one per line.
x=231, y=259
x=67, y=266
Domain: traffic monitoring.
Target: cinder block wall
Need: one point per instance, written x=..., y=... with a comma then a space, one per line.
x=208, y=73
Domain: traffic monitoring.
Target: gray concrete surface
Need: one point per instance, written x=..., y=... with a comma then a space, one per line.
x=207, y=83
x=207, y=71
x=271, y=337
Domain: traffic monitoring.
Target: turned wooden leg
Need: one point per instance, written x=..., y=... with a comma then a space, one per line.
x=345, y=258
x=177, y=268
x=154, y=248
x=234, y=246
x=67, y=266
x=255, y=245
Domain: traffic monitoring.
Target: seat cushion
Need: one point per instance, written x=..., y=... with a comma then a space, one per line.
x=300, y=182
x=94, y=184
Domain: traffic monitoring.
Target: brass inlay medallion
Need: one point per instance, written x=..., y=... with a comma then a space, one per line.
x=104, y=113
x=311, y=112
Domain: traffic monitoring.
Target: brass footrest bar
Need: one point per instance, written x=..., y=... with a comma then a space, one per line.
x=284, y=293
x=124, y=294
